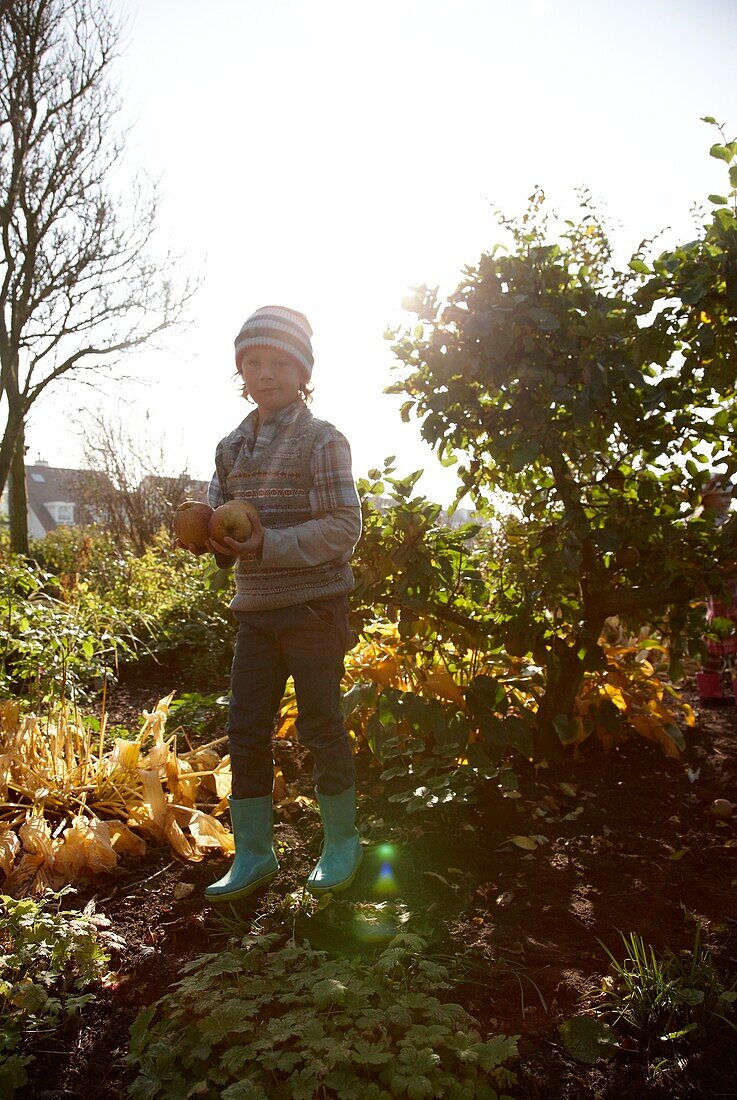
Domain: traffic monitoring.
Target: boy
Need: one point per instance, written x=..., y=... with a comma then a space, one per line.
x=292, y=581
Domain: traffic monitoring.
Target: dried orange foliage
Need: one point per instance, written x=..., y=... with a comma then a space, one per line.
x=70, y=808
x=630, y=685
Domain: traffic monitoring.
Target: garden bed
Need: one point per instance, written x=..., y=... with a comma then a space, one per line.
x=626, y=843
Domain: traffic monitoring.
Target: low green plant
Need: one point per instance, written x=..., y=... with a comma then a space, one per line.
x=667, y=996
x=199, y=715
x=260, y=1020
x=49, y=960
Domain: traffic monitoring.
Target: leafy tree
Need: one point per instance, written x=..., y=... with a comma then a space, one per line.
x=78, y=281
x=588, y=405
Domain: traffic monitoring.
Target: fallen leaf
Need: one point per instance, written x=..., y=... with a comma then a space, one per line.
x=434, y=874
x=183, y=890
x=526, y=842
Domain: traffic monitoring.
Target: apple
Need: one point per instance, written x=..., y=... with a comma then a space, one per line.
x=722, y=809
x=627, y=557
x=190, y=523
x=232, y=521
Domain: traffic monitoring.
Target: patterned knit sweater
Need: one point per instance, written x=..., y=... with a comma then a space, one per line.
x=278, y=482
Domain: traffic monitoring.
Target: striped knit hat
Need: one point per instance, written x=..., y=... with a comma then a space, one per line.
x=277, y=327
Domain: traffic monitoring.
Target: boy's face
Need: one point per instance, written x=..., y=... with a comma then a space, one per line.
x=272, y=378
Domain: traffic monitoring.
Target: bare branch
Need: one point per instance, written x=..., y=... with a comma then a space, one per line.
x=79, y=280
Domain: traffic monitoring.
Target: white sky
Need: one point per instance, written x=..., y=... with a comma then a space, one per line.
x=326, y=154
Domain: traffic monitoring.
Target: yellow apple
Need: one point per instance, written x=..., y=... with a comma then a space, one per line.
x=233, y=521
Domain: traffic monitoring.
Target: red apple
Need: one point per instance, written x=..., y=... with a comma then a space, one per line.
x=190, y=523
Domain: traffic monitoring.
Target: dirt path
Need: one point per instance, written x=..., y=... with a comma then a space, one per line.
x=627, y=845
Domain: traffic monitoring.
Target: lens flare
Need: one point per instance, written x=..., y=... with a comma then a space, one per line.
x=386, y=883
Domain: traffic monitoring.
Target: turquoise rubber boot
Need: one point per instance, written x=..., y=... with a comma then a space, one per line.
x=341, y=851
x=254, y=863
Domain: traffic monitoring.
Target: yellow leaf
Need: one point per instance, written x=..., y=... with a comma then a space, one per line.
x=99, y=852
x=688, y=714
x=615, y=696
x=9, y=848
x=223, y=778
x=385, y=673
x=525, y=842
x=288, y=727
x=31, y=876
x=179, y=842
x=280, y=786
x=125, y=754
x=645, y=726
x=69, y=859
x=439, y=682
x=35, y=836
x=124, y=839
x=209, y=833
x=6, y=771
x=154, y=802
x=668, y=744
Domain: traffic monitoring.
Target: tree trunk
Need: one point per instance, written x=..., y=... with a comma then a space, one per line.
x=14, y=428
x=18, y=500
x=564, y=678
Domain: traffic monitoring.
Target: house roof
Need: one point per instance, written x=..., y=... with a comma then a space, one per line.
x=55, y=484
x=51, y=484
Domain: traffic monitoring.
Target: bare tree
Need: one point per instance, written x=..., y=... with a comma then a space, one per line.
x=125, y=487
x=79, y=282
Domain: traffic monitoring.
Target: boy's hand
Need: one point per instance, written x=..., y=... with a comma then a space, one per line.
x=252, y=544
x=192, y=547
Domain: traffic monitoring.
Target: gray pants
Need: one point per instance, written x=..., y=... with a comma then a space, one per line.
x=308, y=642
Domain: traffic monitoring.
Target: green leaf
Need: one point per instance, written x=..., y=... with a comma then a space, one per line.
x=718, y=200
x=587, y=1039
x=419, y=1088
x=329, y=992
x=492, y=1053
x=244, y=1090
x=13, y=1074
x=485, y=693
x=720, y=152
x=523, y=455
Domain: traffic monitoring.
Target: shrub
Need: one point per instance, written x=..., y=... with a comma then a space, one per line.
x=58, y=641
